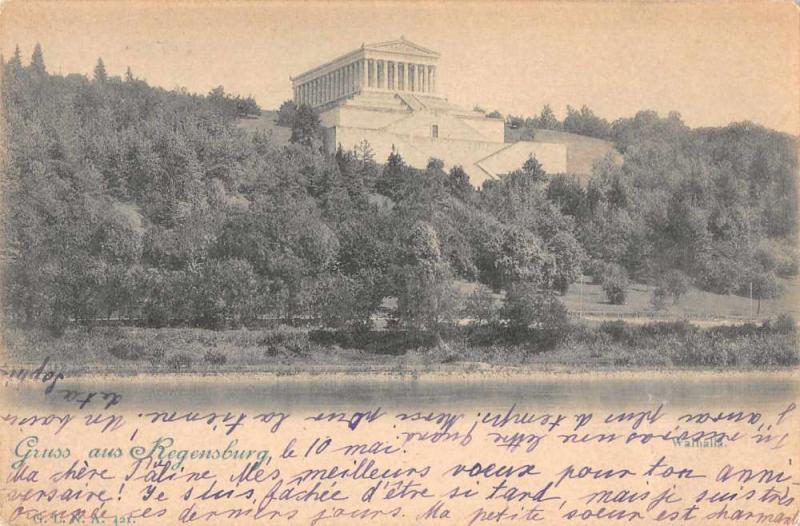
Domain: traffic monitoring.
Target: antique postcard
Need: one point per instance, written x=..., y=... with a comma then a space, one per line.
x=399, y=263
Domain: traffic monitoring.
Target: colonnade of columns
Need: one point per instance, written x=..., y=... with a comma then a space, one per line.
x=366, y=73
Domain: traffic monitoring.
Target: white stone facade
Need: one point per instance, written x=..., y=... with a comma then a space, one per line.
x=387, y=94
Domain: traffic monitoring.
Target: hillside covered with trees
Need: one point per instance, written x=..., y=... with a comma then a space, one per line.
x=131, y=202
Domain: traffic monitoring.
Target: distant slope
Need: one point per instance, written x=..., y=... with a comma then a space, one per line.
x=582, y=151
x=267, y=122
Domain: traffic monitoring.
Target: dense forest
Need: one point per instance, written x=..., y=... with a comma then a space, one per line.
x=122, y=200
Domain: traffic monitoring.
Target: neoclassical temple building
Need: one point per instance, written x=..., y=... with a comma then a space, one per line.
x=387, y=93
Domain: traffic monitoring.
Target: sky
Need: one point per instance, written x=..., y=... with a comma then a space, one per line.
x=713, y=62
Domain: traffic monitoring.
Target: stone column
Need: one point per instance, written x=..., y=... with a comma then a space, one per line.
x=406, y=77
x=433, y=79
x=395, y=79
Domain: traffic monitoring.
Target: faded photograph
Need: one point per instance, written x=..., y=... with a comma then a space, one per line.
x=403, y=188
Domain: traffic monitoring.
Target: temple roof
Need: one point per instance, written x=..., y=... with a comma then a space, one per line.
x=401, y=46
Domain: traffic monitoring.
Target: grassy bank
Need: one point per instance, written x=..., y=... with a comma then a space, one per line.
x=611, y=345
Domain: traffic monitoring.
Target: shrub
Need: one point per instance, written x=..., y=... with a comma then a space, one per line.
x=285, y=341
x=615, y=284
x=774, y=351
x=784, y=324
x=695, y=350
x=180, y=361
x=618, y=330
x=128, y=350
x=213, y=357
x=155, y=355
x=658, y=300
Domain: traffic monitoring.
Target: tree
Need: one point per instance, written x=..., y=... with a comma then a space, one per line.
x=306, y=127
x=676, y=283
x=533, y=170
x=567, y=261
x=426, y=299
x=458, y=182
x=765, y=286
x=585, y=122
x=100, y=75
x=16, y=58
x=518, y=257
x=37, y=61
x=528, y=308
x=615, y=284
x=547, y=119
x=566, y=192
x=349, y=301
x=287, y=113
x=480, y=306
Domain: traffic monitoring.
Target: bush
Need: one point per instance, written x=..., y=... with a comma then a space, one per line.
x=618, y=330
x=658, y=300
x=784, y=324
x=615, y=284
x=213, y=357
x=180, y=361
x=775, y=351
x=286, y=341
x=695, y=350
x=128, y=350
x=155, y=355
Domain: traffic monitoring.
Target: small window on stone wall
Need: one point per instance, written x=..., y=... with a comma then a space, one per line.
x=435, y=131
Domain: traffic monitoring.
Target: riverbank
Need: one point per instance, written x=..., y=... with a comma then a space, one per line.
x=281, y=351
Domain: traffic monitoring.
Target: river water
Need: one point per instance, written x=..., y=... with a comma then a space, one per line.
x=544, y=390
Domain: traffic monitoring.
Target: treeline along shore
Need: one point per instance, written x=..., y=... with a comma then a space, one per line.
x=154, y=208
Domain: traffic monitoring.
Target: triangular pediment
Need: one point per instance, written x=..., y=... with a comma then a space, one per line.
x=402, y=46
